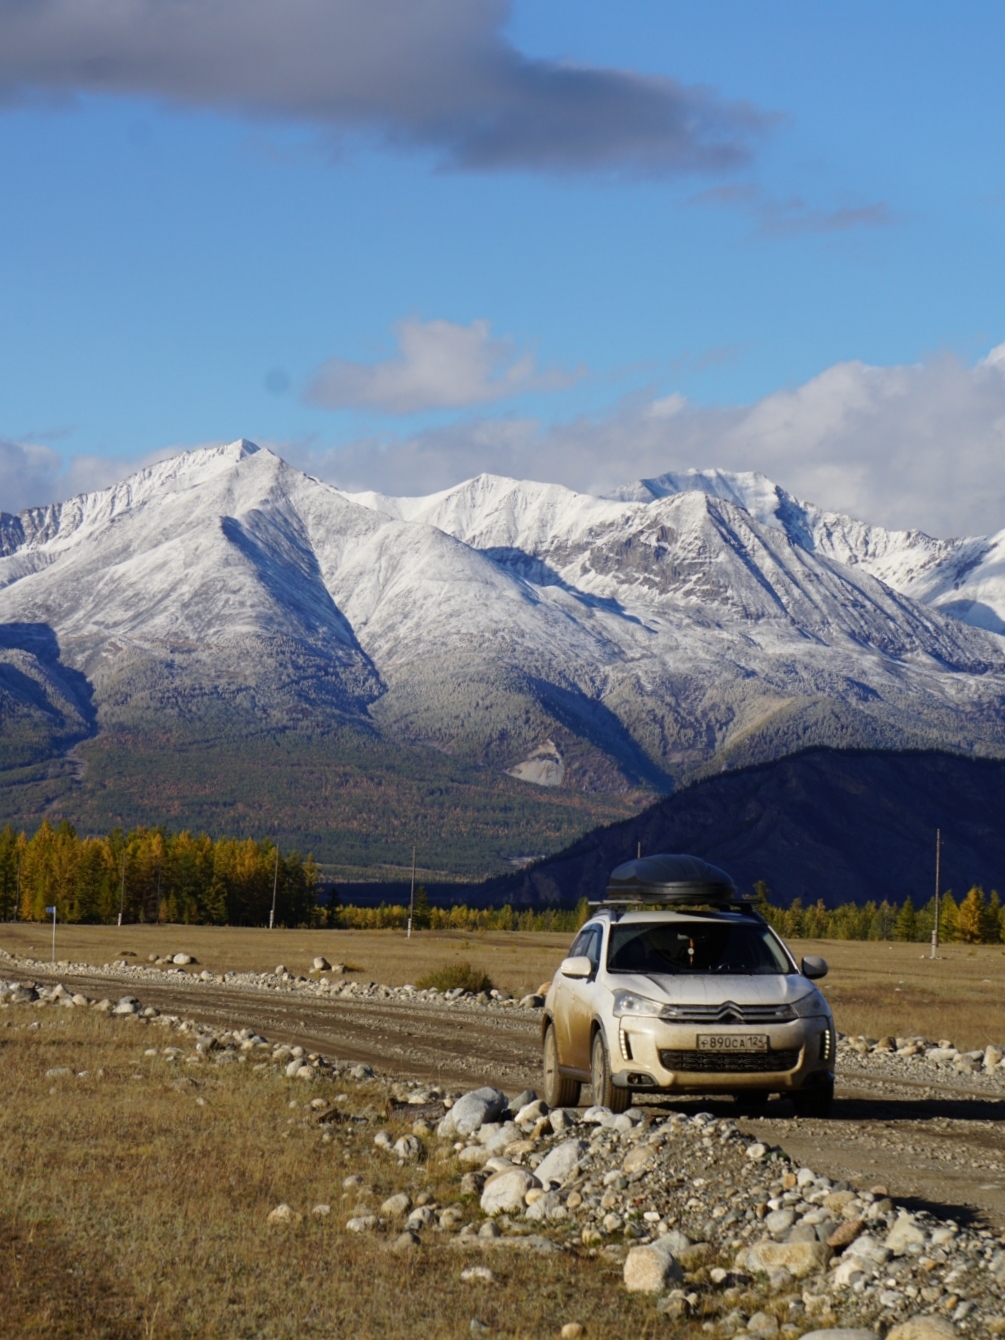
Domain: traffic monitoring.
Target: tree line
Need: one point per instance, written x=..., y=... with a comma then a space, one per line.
x=155, y=876
x=977, y=919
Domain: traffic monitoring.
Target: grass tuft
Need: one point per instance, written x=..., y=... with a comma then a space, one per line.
x=456, y=975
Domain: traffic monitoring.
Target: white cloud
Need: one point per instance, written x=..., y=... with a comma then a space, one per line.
x=439, y=365
x=32, y=475
x=433, y=74
x=911, y=446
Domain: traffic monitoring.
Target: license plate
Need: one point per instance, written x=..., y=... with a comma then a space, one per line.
x=732, y=1042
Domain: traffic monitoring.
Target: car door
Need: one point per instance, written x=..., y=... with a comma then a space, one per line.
x=580, y=1003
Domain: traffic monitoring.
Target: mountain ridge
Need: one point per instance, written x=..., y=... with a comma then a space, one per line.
x=707, y=621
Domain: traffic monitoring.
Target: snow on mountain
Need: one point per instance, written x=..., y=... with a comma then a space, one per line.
x=963, y=577
x=600, y=643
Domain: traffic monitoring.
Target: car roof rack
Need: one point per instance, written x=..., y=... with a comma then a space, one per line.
x=672, y=880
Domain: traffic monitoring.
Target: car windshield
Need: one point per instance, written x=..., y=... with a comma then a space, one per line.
x=695, y=947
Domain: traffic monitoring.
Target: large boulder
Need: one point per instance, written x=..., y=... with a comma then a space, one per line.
x=923, y=1328
x=472, y=1110
x=562, y=1161
x=652, y=1268
x=842, y=1333
x=505, y=1192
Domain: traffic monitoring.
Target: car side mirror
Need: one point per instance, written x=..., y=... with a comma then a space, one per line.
x=813, y=967
x=580, y=966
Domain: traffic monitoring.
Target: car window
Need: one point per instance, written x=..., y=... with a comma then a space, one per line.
x=578, y=946
x=696, y=947
x=587, y=944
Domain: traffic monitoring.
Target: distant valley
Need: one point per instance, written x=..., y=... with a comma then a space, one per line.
x=223, y=642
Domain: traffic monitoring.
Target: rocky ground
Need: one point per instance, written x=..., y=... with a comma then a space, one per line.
x=726, y=1228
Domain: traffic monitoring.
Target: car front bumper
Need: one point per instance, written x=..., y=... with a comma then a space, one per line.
x=649, y=1054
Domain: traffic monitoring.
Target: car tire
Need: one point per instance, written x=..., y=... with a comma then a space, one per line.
x=604, y=1092
x=815, y=1102
x=558, y=1091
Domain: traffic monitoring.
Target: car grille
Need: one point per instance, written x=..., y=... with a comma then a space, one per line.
x=730, y=1063
x=727, y=1013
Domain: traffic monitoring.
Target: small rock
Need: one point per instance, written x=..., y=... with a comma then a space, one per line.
x=58, y=1072
x=562, y=1161
x=780, y=1221
x=504, y=1193
x=183, y=960
x=396, y=1206
x=572, y=1330
x=405, y=1241
x=845, y=1233
x=473, y=1109
x=361, y=1223
x=756, y=1150
x=639, y=1157
x=283, y=1214
x=763, y=1324
x=408, y=1147
x=321, y=964
x=651, y=1269
x=478, y=1275
x=799, y=1258
x=903, y=1233
x=321, y=1211
x=837, y=1200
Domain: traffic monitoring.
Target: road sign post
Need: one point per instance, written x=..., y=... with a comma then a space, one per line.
x=53, y=911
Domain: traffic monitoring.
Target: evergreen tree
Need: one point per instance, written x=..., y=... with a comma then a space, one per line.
x=421, y=914
x=991, y=925
x=906, y=925
x=762, y=899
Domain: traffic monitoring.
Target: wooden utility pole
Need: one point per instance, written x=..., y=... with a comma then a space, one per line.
x=411, y=899
x=938, y=886
x=275, y=886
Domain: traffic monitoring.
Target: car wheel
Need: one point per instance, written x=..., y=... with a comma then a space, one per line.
x=814, y=1102
x=604, y=1092
x=558, y=1091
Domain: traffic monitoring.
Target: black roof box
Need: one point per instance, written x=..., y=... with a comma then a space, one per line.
x=669, y=878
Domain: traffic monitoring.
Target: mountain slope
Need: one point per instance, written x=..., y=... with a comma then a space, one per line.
x=830, y=824
x=506, y=638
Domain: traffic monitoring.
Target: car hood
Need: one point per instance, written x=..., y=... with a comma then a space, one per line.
x=702, y=989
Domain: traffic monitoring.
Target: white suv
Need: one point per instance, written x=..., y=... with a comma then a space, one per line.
x=690, y=992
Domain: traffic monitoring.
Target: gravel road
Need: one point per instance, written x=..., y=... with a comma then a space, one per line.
x=938, y=1143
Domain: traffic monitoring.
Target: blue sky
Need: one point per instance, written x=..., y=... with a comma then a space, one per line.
x=402, y=258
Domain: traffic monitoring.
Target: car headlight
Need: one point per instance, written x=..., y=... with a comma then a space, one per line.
x=627, y=1002
x=809, y=1005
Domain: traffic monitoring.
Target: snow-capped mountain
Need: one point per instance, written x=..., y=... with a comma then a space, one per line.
x=595, y=643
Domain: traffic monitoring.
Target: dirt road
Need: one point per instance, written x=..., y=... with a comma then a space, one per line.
x=938, y=1144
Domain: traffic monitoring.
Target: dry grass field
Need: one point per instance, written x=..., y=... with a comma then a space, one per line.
x=134, y=1199
x=874, y=987
x=517, y=961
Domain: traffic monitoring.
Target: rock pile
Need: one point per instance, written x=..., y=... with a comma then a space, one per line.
x=318, y=987
x=917, y=1057
x=721, y=1227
